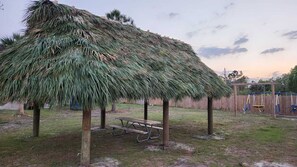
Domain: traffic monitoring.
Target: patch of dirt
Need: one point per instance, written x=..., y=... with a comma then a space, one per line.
x=153, y=148
x=106, y=162
x=234, y=151
x=181, y=146
x=210, y=137
x=271, y=164
x=184, y=162
x=172, y=146
x=17, y=122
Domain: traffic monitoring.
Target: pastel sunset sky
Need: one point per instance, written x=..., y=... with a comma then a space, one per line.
x=258, y=37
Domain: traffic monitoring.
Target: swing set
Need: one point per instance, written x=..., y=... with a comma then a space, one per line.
x=247, y=105
x=278, y=105
x=277, y=108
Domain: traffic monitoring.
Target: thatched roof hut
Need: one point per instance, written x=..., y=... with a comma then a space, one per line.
x=67, y=53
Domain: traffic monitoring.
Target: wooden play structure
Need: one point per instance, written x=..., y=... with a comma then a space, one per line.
x=257, y=106
x=275, y=103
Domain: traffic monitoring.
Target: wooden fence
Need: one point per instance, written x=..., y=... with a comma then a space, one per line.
x=227, y=104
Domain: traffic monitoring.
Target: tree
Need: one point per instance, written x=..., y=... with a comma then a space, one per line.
x=242, y=89
x=4, y=43
x=292, y=80
x=232, y=77
x=282, y=83
x=117, y=16
x=261, y=88
x=8, y=41
x=235, y=75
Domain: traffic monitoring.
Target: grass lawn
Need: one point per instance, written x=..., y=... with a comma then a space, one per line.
x=249, y=138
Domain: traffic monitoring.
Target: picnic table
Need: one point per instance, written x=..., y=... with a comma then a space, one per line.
x=145, y=129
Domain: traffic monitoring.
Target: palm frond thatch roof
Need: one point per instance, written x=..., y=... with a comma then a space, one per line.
x=67, y=53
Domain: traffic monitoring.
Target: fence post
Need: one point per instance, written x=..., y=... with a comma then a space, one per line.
x=273, y=98
x=235, y=99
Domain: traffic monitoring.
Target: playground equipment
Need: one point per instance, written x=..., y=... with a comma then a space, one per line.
x=293, y=105
x=247, y=105
x=277, y=104
x=260, y=106
x=284, y=108
x=277, y=108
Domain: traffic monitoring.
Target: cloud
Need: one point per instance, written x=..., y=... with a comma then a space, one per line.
x=210, y=52
x=272, y=50
x=192, y=33
x=220, y=27
x=241, y=40
x=173, y=14
x=291, y=34
x=226, y=8
x=205, y=30
x=229, y=6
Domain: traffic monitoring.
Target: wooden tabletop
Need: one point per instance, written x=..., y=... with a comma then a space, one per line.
x=141, y=121
x=258, y=106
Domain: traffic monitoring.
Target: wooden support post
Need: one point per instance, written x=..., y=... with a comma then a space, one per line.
x=21, y=108
x=103, y=117
x=86, y=138
x=165, y=123
x=235, y=99
x=273, y=98
x=113, y=107
x=145, y=108
x=210, y=115
x=36, y=119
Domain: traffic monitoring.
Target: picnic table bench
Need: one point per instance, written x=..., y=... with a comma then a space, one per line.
x=144, y=128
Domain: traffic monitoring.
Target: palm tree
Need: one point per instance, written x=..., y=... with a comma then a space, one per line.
x=7, y=41
x=117, y=16
x=4, y=43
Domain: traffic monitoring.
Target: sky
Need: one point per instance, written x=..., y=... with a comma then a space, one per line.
x=257, y=37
